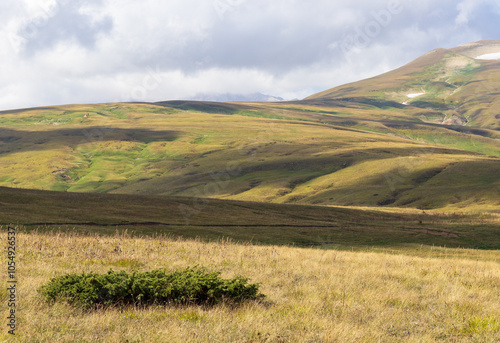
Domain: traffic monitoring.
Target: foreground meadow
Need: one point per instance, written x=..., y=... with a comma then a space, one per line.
x=413, y=294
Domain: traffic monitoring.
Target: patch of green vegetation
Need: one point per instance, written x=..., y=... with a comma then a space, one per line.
x=6, y=178
x=259, y=114
x=47, y=119
x=462, y=142
x=435, y=104
x=470, y=70
x=157, y=287
x=480, y=326
x=120, y=114
x=200, y=139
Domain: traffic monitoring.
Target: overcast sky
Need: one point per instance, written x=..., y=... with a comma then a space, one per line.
x=75, y=51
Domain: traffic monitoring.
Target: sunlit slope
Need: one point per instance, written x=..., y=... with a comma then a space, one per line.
x=449, y=86
x=284, y=153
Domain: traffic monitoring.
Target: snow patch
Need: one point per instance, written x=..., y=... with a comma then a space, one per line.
x=414, y=95
x=493, y=56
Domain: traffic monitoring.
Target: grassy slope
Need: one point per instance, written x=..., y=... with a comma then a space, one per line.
x=458, y=88
x=262, y=223
x=354, y=145
x=336, y=154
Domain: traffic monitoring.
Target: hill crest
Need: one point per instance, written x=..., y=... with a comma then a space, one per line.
x=461, y=83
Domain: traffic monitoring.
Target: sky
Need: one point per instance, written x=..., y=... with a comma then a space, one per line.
x=56, y=52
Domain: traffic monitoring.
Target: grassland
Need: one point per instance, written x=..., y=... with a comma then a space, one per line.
x=260, y=223
x=313, y=295
x=341, y=154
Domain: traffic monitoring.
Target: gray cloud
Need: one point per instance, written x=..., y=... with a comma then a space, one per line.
x=64, y=22
x=110, y=50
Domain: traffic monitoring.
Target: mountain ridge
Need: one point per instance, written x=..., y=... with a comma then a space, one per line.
x=233, y=97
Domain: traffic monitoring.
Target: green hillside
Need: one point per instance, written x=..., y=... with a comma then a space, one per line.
x=284, y=153
x=364, y=144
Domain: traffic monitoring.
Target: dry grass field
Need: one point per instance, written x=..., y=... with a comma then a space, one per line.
x=421, y=294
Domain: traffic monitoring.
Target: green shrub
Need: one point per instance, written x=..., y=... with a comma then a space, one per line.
x=188, y=286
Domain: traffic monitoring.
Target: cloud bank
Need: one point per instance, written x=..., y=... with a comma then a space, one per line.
x=75, y=51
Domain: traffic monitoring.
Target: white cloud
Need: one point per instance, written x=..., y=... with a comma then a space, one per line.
x=465, y=9
x=74, y=51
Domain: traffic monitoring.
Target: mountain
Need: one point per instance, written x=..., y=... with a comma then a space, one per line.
x=230, y=97
x=373, y=143
x=457, y=86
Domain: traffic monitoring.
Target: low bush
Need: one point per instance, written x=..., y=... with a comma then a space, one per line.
x=188, y=286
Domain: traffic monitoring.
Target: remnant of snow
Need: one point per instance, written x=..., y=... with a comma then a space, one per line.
x=414, y=95
x=493, y=56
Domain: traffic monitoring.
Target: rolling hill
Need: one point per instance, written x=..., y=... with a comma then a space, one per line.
x=363, y=144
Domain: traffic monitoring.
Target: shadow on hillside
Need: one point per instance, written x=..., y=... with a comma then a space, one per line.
x=20, y=141
x=349, y=101
x=295, y=168
x=205, y=106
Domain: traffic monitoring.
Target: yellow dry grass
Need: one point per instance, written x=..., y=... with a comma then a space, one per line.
x=313, y=295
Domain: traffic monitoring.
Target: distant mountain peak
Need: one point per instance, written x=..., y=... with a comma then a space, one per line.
x=458, y=85
x=478, y=48
x=232, y=97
